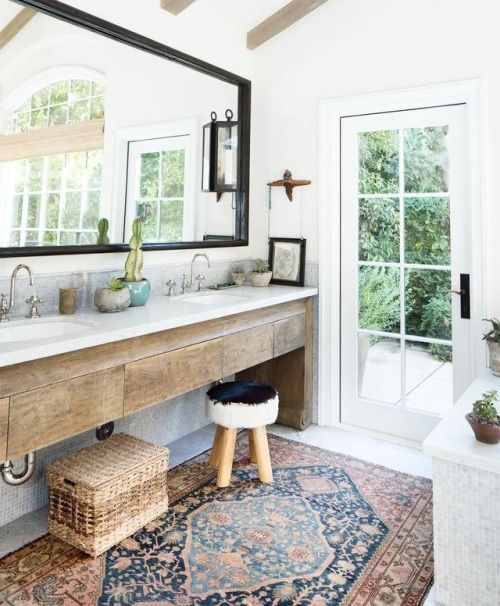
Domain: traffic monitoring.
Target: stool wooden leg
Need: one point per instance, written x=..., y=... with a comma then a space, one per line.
x=216, y=447
x=226, y=458
x=251, y=447
x=262, y=453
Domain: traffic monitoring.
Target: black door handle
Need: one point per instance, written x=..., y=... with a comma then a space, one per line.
x=464, y=293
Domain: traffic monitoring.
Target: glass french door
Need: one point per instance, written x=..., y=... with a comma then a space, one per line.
x=405, y=355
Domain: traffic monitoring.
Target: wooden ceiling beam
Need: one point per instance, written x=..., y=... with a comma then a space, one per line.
x=16, y=25
x=280, y=20
x=175, y=6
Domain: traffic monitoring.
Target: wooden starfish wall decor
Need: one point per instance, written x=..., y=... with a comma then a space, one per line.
x=288, y=183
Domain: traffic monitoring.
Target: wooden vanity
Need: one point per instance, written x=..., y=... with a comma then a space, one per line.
x=50, y=399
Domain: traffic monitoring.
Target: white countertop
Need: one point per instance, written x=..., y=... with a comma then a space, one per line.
x=160, y=313
x=453, y=439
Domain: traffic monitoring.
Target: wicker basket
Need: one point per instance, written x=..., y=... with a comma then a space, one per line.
x=104, y=493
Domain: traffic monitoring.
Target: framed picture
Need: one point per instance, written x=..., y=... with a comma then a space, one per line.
x=287, y=259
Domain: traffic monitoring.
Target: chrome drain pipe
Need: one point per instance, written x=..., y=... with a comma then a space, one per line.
x=13, y=478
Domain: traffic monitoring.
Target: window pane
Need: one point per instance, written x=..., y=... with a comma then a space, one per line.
x=67, y=238
x=75, y=170
x=426, y=159
x=52, y=211
x=97, y=110
x=427, y=231
x=34, y=203
x=94, y=169
x=171, y=220
x=429, y=377
x=379, y=229
x=147, y=211
x=17, y=211
x=71, y=212
x=40, y=118
x=20, y=171
x=173, y=173
x=379, y=162
x=22, y=122
x=50, y=238
x=15, y=238
x=80, y=89
x=428, y=303
x=35, y=174
x=79, y=111
x=58, y=115
x=59, y=92
x=379, y=369
x=40, y=99
x=149, y=184
x=379, y=299
x=98, y=90
x=55, y=168
x=91, y=214
x=32, y=238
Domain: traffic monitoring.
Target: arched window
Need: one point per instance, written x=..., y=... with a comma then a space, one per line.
x=55, y=198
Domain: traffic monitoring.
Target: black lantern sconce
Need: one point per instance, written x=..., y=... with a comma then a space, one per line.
x=220, y=155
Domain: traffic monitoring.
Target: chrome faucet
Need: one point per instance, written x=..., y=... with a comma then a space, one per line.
x=199, y=277
x=5, y=306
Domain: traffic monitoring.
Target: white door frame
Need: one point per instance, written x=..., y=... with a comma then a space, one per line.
x=331, y=112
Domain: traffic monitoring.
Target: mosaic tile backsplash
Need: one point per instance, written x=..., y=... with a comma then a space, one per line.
x=160, y=424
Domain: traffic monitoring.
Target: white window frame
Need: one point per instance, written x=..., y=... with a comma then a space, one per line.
x=331, y=111
x=163, y=130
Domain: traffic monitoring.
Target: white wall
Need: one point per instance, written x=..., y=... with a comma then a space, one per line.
x=349, y=47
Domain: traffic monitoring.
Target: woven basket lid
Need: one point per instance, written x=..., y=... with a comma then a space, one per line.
x=106, y=461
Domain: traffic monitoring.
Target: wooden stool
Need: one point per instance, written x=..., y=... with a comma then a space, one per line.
x=241, y=405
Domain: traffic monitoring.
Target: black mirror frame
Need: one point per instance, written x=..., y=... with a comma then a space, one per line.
x=67, y=13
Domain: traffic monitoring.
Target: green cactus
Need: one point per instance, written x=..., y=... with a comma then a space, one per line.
x=102, y=228
x=134, y=262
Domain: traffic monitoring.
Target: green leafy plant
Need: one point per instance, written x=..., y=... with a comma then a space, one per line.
x=493, y=335
x=135, y=260
x=260, y=266
x=102, y=228
x=115, y=284
x=484, y=410
x=379, y=299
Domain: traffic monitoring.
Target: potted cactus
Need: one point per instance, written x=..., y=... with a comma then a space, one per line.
x=138, y=286
x=261, y=274
x=113, y=297
x=484, y=418
x=102, y=232
x=492, y=337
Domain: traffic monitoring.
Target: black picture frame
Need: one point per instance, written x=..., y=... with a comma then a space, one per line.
x=298, y=267
x=74, y=16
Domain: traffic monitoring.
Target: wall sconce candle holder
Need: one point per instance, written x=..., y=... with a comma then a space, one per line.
x=220, y=155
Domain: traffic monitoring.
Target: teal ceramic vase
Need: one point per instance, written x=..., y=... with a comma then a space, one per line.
x=139, y=292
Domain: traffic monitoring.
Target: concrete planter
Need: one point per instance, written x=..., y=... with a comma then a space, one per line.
x=111, y=301
x=238, y=277
x=260, y=278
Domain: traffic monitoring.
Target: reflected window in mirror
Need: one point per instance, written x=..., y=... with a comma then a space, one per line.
x=53, y=198
x=159, y=185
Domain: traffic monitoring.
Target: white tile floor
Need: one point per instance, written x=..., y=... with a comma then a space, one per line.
x=403, y=458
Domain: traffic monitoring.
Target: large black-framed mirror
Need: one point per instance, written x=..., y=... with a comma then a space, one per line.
x=77, y=145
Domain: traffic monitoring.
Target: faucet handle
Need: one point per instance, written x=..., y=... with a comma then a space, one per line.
x=184, y=284
x=201, y=278
x=170, y=288
x=33, y=301
x=4, y=308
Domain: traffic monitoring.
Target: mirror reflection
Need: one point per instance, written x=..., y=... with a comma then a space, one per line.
x=93, y=129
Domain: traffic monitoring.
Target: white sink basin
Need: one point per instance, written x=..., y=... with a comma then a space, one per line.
x=214, y=299
x=34, y=330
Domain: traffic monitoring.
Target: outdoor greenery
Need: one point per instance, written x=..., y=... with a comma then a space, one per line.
x=426, y=231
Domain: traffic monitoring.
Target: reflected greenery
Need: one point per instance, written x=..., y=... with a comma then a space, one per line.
x=379, y=162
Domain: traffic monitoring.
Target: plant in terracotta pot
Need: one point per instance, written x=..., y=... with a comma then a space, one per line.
x=484, y=418
x=138, y=286
x=261, y=274
x=238, y=276
x=112, y=298
x=492, y=337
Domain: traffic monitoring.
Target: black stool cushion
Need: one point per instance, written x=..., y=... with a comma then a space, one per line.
x=244, y=392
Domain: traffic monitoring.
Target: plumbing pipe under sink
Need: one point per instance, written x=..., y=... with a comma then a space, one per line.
x=13, y=478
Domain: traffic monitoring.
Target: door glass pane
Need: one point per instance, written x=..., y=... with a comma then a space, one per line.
x=429, y=378
x=379, y=162
x=426, y=160
x=428, y=303
x=427, y=231
x=379, y=369
x=379, y=229
x=379, y=299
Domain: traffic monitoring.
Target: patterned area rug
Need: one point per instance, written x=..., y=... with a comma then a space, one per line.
x=330, y=530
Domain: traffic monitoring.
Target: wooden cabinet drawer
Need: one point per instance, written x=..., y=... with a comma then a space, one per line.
x=165, y=376
x=289, y=334
x=43, y=416
x=4, y=424
x=247, y=348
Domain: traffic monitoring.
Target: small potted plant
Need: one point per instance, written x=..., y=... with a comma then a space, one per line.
x=492, y=337
x=138, y=286
x=261, y=274
x=238, y=276
x=112, y=298
x=484, y=418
